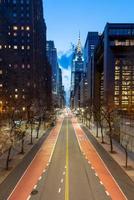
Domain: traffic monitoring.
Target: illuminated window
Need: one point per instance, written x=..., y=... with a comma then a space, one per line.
x=27, y=28
x=16, y=90
x=28, y=66
x=15, y=47
x=22, y=27
x=23, y=108
x=15, y=34
x=16, y=96
x=1, y=72
x=22, y=47
x=15, y=28
x=0, y=46
x=1, y=85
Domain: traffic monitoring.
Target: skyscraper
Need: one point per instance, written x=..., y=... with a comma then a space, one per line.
x=113, y=77
x=22, y=53
x=52, y=59
x=77, y=70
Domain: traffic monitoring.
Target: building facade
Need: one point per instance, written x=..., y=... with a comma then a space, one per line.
x=90, y=45
x=23, y=65
x=113, y=72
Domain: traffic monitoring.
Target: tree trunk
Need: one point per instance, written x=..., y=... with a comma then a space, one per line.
x=126, y=152
x=97, y=131
x=102, y=136
x=31, y=139
x=8, y=158
x=38, y=129
x=111, y=143
x=22, y=145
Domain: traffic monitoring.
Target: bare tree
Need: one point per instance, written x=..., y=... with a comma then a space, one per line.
x=108, y=115
x=126, y=140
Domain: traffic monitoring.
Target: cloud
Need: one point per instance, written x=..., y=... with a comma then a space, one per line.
x=64, y=58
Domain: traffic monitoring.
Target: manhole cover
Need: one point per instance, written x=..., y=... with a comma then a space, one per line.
x=34, y=192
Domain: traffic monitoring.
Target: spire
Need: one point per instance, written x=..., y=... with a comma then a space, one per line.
x=79, y=48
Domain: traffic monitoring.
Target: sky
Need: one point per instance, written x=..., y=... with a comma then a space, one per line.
x=66, y=18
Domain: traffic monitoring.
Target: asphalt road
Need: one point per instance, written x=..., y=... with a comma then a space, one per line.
x=69, y=175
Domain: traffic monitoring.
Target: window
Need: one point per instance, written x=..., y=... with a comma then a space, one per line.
x=15, y=47
x=27, y=28
x=15, y=28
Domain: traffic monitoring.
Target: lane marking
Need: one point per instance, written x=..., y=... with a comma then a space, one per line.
x=44, y=171
x=92, y=167
x=101, y=183
x=59, y=190
x=62, y=180
x=67, y=165
x=63, y=173
x=29, y=197
x=35, y=187
x=40, y=178
x=96, y=174
x=107, y=193
x=89, y=162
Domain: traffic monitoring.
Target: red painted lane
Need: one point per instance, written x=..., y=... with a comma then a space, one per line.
x=35, y=169
x=103, y=173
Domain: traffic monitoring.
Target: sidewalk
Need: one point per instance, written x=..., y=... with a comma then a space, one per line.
x=119, y=155
x=16, y=157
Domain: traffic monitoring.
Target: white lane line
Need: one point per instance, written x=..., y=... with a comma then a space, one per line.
x=62, y=180
x=40, y=178
x=44, y=171
x=35, y=187
x=63, y=173
x=29, y=197
x=65, y=167
x=96, y=174
x=101, y=183
x=92, y=167
x=107, y=193
x=59, y=190
x=89, y=162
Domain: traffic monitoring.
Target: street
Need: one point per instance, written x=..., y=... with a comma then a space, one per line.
x=69, y=175
x=69, y=166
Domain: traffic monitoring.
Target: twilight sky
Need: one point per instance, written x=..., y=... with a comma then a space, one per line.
x=65, y=18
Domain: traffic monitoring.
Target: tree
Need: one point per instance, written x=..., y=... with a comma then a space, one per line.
x=126, y=141
x=108, y=113
x=6, y=144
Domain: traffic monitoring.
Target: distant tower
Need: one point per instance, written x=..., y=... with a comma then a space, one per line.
x=77, y=71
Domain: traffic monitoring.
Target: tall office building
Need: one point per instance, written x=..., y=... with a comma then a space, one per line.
x=23, y=65
x=51, y=52
x=113, y=76
x=77, y=71
x=90, y=45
